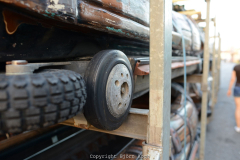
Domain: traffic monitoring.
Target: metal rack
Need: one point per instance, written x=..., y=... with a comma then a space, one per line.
x=216, y=61
x=152, y=125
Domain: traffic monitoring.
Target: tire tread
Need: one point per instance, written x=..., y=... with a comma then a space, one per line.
x=39, y=100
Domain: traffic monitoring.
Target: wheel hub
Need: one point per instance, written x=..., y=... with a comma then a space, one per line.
x=118, y=90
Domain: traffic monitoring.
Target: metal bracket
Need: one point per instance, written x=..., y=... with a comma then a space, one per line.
x=141, y=69
x=23, y=67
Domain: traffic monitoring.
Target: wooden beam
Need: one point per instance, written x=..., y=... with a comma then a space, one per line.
x=134, y=127
x=160, y=80
x=205, y=85
x=203, y=20
x=194, y=78
x=191, y=12
x=24, y=137
x=214, y=70
x=174, y=1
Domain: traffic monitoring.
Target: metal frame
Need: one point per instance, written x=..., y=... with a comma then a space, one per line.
x=153, y=125
x=204, y=78
x=215, y=79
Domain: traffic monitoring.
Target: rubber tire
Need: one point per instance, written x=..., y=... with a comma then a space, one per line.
x=34, y=101
x=96, y=76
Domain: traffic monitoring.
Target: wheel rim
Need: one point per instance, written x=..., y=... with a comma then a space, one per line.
x=118, y=90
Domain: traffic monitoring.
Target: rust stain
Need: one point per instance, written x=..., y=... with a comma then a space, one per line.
x=181, y=64
x=83, y=126
x=141, y=69
x=137, y=10
x=85, y=17
x=13, y=20
x=110, y=22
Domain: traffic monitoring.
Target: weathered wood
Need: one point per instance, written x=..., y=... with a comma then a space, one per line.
x=15, y=140
x=104, y=20
x=202, y=20
x=128, y=18
x=214, y=70
x=192, y=13
x=174, y=1
x=135, y=125
x=195, y=78
x=80, y=14
x=137, y=10
x=160, y=69
x=219, y=62
x=205, y=85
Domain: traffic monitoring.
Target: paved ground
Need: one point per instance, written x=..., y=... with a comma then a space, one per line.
x=222, y=142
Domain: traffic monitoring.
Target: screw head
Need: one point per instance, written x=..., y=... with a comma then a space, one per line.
x=17, y=62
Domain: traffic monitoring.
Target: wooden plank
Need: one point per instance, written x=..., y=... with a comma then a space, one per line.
x=214, y=70
x=205, y=85
x=21, y=138
x=135, y=125
x=175, y=65
x=160, y=84
x=202, y=20
x=174, y=1
x=195, y=78
x=137, y=10
x=191, y=12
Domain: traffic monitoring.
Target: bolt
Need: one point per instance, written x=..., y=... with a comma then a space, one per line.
x=9, y=62
x=123, y=90
x=18, y=62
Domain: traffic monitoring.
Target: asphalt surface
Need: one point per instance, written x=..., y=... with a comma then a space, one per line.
x=222, y=142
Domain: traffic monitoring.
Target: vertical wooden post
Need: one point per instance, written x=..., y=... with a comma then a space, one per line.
x=214, y=69
x=157, y=146
x=205, y=85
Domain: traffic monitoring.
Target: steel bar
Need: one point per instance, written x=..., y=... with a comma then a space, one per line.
x=157, y=146
x=205, y=85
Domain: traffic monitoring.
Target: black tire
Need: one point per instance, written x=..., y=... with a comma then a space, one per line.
x=34, y=101
x=96, y=76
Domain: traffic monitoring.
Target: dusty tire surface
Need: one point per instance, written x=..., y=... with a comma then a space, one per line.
x=96, y=77
x=39, y=100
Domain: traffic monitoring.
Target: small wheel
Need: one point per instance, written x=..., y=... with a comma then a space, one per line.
x=109, y=84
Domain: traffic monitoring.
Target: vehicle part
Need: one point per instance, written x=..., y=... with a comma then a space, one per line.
x=109, y=87
x=52, y=32
x=177, y=122
x=33, y=101
x=23, y=67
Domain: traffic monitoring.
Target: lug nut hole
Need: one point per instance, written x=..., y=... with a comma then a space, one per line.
x=119, y=105
x=117, y=83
